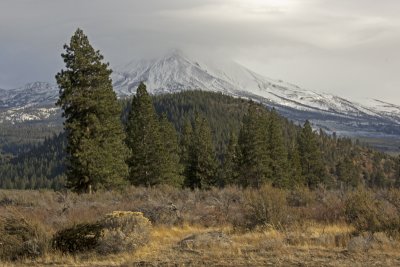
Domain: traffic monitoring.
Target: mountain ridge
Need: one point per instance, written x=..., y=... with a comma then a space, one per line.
x=178, y=71
x=175, y=72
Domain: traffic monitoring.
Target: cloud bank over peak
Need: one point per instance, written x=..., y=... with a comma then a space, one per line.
x=346, y=47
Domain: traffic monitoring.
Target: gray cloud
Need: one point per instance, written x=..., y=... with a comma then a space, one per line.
x=347, y=47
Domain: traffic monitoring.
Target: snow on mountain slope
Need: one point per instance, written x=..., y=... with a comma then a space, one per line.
x=31, y=94
x=32, y=102
x=31, y=114
x=172, y=73
x=176, y=72
x=385, y=109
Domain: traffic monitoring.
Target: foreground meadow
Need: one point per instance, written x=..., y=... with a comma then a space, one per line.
x=228, y=227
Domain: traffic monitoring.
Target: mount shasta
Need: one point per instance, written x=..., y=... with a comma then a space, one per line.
x=176, y=72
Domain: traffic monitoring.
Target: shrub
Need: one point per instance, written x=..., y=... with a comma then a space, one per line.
x=264, y=207
x=78, y=238
x=393, y=196
x=361, y=211
x=330, y=208
x=21, y=238
x=117, y=232
x=300, y=197
x=368, y=213
x=123, y=231
x=162, y=214
x=389, y=218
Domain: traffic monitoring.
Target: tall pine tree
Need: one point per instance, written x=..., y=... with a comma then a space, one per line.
x=96, y=149
x=397, y=172
x=201, y=166
x=310, y=157
x=230, y=164
x=277, y=152
x=295, y=172
x=144, y=140
x=253, y=159
x=171, y=167
x=186, y=139
x=348, y=174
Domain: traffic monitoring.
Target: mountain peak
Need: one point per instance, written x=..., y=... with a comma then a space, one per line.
x=38, y=85
x=176, y=71
x=176, y=52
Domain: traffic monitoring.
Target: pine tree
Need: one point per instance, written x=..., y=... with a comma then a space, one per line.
x=201, y=168
x=96, y=149
x=230, y=168
x=277, y=152
x=186, y=139
x=295, y=172
x=397, y=172
x=171, y=168
x=310, y=157
x=144, y=140
x=253, y=159
x=347, y=172
x=378, y=177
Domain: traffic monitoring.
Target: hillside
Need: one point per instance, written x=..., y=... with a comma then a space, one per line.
x=224, y=115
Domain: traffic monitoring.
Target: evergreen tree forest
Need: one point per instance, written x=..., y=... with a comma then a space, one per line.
x=153, y=143
x=36, y=166
x=227, y=128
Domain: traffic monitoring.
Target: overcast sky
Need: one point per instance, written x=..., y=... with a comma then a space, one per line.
x=347, y=47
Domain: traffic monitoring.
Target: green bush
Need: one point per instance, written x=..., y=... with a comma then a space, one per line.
x=78, y=238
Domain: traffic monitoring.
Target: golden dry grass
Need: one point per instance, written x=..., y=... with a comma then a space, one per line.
x=310, y=240
x=257, y=248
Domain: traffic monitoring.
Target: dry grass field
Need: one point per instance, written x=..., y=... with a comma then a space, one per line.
x=228, y=227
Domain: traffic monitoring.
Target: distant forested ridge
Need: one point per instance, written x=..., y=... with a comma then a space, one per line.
x=38, y=165
x=251, y=144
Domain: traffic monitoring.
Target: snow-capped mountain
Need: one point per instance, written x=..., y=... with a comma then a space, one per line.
x=29, y=95
x=385, y=109
x=32, y=102
x=176, y=72
x=32, y=114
